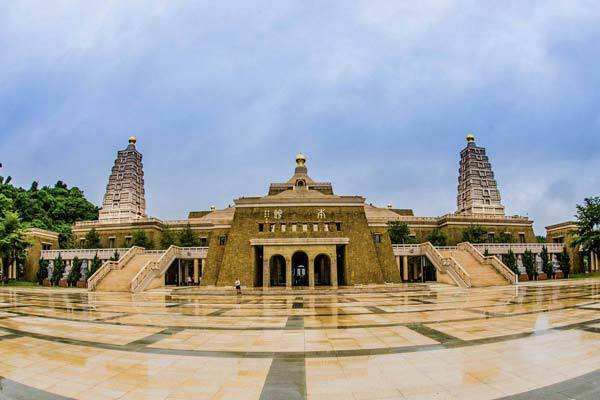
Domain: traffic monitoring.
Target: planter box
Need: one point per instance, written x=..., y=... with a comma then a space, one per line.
x=63, y=283
x=542, y=276
x=523, y=278
x=82, y=284
x=46, y=282
x=558, y=275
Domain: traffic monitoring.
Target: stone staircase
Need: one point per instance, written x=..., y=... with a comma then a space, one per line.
x=119, y=279
x=483, y=271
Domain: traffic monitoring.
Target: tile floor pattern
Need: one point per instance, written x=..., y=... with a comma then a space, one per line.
x=537, y=340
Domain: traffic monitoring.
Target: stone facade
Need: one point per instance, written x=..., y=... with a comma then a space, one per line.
x=300, y=232
x=39, y=239
x=564, y=233
x=125, y=196
x=478, y=191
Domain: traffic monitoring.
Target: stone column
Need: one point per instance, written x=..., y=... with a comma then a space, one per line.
x=288, y=273
x=405, y=268
x=311, y=272
x=196, y=270
x=266, y=273
x=333, y=273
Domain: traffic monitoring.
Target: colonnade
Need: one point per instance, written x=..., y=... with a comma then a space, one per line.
x=333, y=268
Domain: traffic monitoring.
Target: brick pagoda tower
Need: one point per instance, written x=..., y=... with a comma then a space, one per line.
x=125, y=196
x=477, y=189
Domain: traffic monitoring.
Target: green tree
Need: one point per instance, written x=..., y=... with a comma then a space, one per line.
x=540, y=239
x=511, y=262
x=167, y=238
x=115, y=256
x=529, y=264
x=94, y=266
x=547, y=266
x=13, y=243
x=504, y=237
x=474, y=234
x=42, y=271
x=565, y=263
x=188, y=238
x=58, y=270
x=92, y=240
x=588, y=226
x=75, y=272
x=399, y=232
x=141, y=239
x=437, y=237
x=54, y=208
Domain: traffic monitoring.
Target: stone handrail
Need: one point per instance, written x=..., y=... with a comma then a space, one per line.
x=447, y=265
x=489, y=260
x=518, y=248
x=154, y=268
x=93, y=280
x=148, y=271
x=456, y=271
x=436, y=258
x=82, y=254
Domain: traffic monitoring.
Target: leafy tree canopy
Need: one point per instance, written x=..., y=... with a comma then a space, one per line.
x=188, y=238
x=168, y=238
x=53, y=208
x=474, y=234
x=141, y=239
x=588, y=223
x=437, y=237
x=399, y=232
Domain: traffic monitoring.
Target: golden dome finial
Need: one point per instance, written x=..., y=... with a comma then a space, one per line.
x=470, y=138
x=132, y=140
x=300, y=159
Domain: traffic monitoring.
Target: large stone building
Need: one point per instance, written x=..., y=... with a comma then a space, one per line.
x=301, y=233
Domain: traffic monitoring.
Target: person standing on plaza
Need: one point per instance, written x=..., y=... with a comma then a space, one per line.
x=238, y=286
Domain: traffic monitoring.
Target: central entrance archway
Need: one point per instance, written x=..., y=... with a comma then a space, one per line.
x=299, y=269
x=277, y=270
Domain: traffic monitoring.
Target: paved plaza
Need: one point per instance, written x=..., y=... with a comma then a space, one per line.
x=534, y=341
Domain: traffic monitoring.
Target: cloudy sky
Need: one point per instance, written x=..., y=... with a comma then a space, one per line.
x=378, y=94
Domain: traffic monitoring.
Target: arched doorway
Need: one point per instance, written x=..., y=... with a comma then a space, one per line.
x=277, y=270
x=322, y=270
x=299, y=269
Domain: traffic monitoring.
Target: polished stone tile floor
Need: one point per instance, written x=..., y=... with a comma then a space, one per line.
x=533, y=341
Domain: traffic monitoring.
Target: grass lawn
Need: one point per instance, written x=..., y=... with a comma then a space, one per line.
x=18, y=283
x=584, y=276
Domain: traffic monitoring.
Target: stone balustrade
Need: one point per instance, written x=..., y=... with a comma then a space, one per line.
x=492, y=248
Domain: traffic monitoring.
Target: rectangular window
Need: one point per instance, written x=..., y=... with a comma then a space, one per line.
x=315, y=227
x=222, y=240
x=377, y=238
x=304, y=228
x=294, y=227
x=111, y=242
x=272, y=227
x=46, y=246
x=82, y=242
x=283, y=227
x=261, y=227
x=491, y=237
x=127, y=241
x=203, y=242
x=338, y=226
x=521, y=238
